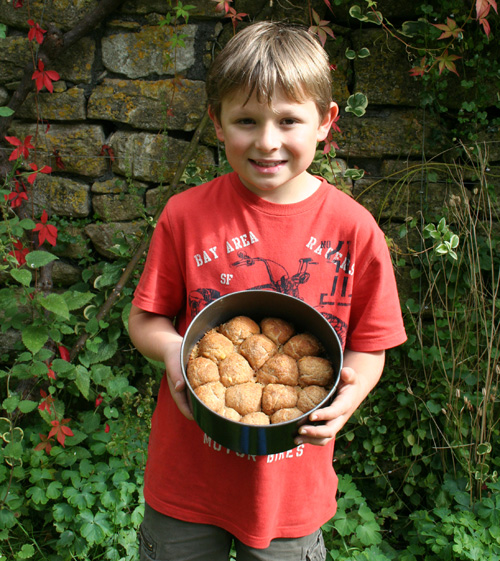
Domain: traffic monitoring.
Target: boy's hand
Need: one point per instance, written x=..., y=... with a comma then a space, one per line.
x=175, y=379
x=359, y=375
x=155, y=336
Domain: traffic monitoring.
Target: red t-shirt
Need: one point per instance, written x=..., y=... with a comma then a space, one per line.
x=220, y=238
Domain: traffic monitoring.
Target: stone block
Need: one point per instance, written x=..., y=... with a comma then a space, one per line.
x=389, y=132
x=117, y=185
x=61, y=196
x=75, y=64
x=104, y=236
x=148, y=51
x=69, y=105
x=79, y=146
x=64, y=274
x=14, y=54
x=152, y=157
x=149, y=105
x=384, y=75
x=66, y=13
x=116, y=208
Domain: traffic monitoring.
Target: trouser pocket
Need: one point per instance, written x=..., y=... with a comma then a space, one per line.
x=147, y=545
x=317, y=552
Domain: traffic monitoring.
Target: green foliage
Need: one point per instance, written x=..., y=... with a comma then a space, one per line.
x=423, y=450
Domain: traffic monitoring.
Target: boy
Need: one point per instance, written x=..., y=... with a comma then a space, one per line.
x=269, y=94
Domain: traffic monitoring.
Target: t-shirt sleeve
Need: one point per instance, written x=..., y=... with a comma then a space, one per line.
x=376, y=321
x=161, y=286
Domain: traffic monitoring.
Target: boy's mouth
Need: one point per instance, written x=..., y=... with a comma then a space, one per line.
x=268, y=164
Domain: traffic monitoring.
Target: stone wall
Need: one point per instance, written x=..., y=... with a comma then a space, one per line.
x=120, y=95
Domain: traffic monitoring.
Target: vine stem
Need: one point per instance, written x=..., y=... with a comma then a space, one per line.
x=143, y=246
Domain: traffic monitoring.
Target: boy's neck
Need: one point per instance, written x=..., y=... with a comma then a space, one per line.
x=295, y=191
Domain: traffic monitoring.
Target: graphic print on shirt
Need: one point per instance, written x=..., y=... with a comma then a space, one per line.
x=279, y=279
x=273, y=275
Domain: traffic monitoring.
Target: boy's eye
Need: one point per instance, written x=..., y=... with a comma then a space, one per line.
x=246, y=121
x=288, y=121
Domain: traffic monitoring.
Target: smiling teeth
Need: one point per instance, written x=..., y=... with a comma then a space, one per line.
x=267, y=164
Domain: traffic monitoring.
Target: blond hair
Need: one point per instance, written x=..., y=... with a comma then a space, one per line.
x=267, y=56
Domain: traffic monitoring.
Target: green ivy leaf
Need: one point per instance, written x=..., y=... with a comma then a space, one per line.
x=36, y=259
x=37, y=495
x=27, y=406
x=345, y=526
x=76, y=300
x=369, y=533
x=26, y=552
x=82, y=381
x=63, y=512
x=22, y=276
x=27, y=224
x=7, y=519
x=5, y=111
x=56, y=304
x=54, y=490
x=357, y=104
x=484, y=448
x=10, y=403
x=94, y=528
x=34, y=337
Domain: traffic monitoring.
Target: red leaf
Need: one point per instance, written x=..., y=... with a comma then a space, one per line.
x=63, y=351
x=19, y=253
x=45, y=444
x=34, y=167
x=35, y=32
x=44, y=78
x=23, y=147
x=46, y=232
x=60, y=430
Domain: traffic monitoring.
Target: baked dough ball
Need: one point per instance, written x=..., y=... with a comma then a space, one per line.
x=212, y=395
x=310, y=396
x=279, y=369
x=201, y=370
x=245, y=398
x=257, y=418
x=215, y=346
x=278, y=330
x=257, y=349
x=231, y=414
x=314, y=371
x=301, y=345
x=235, y=370
x=239, y=328
x=278, y=396
x=286, y=414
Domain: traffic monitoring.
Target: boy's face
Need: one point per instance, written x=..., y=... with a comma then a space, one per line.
x=270, y=148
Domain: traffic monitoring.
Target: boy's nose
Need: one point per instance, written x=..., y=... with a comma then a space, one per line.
x=267, y=139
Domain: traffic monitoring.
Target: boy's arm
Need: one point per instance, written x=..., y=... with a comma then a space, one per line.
x=360, y=374
x=155, y=337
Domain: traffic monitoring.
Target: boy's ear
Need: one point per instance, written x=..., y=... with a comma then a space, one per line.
x=218, y=127
x=327, y=122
